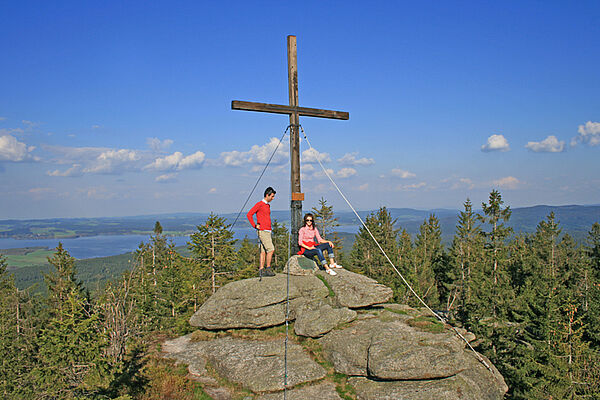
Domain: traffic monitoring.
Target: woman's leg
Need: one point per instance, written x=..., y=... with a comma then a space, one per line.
x=319, y=253
x=327, y=247
x=316, y=252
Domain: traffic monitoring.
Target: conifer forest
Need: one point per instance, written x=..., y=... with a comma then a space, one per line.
x=532, y=300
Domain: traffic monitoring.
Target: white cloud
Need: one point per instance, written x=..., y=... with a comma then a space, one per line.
x=350, y=159
x=588, y=134
x=363, y=187
x=13, y=150
x=508, y=182
x=75, y=170
x=346, y=172
x=96, y=127
x=98, y=193
x=113, y=161
x=402, y=173
x=75, y=155
x=312, y=156
x=166, y=177
x=308, y=168
x=158, y=145
x=257, y=155
x=549, y=145
x=2, y=118
x=30, y=124
x=462, y=183
x=496, y=143
x=212, y=191
x=412, y=186
x=177, y=162
x=192, y=161
x=41, y=190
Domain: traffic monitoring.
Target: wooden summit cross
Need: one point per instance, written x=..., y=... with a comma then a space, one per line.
x=294, y=111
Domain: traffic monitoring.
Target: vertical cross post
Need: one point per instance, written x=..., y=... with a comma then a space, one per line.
x=296, y=201
x=295, y=112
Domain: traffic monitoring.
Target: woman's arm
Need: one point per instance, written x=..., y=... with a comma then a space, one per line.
x=320, y=239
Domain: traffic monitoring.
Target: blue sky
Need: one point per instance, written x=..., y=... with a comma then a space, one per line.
x=114, y=108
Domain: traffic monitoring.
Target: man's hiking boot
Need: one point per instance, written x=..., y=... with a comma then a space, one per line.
x=268, y=272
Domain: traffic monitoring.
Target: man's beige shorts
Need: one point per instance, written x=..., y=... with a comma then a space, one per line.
x=265, y=239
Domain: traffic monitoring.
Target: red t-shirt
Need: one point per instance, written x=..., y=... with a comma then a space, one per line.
x=262, y=210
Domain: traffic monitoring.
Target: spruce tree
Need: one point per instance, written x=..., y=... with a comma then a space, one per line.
x=213, y=249
x=465, y=254
x=430, y=272
x=494, y=291
x=70, y=359
x=366, y=257
x=16, y=344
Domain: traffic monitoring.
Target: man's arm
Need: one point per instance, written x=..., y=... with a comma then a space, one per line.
x=251, y=213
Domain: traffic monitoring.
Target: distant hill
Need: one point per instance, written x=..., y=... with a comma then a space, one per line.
x=574, y=219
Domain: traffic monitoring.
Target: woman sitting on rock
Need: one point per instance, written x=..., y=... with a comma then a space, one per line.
x=312, y=244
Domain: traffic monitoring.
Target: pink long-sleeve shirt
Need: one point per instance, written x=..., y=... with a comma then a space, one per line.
x=306, y=234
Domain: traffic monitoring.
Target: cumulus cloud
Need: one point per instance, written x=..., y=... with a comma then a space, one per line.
x=212, y=191
x=508, y=182
x=346, y=172
x=496, y=143
x=75, y=170
x=588, y=134
x=177, y=162
x=363, y=187
x=402, y=173
x=549, y=145
x=166, y=177
x=158, y=145
x=257, y=155
x=113, y=161
x=312, y=156
x=13, y=150
x=350, y=159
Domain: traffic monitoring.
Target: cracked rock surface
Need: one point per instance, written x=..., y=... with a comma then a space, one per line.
x=385, y=351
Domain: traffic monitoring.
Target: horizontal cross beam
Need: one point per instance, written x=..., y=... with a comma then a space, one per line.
x=279, y=109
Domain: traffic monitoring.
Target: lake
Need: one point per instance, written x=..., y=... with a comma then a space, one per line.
x=104, y=245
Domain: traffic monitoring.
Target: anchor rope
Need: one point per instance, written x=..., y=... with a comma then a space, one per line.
x=443, y=320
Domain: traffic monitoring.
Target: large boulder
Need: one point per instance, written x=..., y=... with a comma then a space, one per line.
x=356, y=291
x=399, y=354
x=317, y=318
x=320, y=391
x=300, y=265
x=259, y=365
x=254, y=303
x=389, y=351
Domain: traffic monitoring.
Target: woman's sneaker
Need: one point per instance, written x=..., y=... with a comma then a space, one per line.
x=335, y=266
x=331, y=272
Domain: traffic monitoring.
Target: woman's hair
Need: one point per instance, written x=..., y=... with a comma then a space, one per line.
x=309, y=215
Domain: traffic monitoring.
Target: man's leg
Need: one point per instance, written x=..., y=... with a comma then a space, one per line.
x=269, y=258
x=262, y=259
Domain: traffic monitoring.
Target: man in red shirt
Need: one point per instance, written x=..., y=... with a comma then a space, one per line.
x=262, y=209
